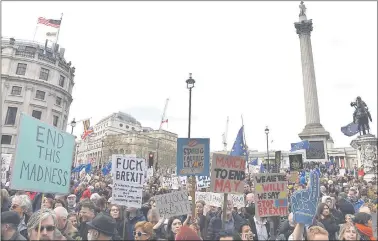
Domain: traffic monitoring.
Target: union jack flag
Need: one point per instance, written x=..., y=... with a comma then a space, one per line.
x=49, y=22
x=88, y=130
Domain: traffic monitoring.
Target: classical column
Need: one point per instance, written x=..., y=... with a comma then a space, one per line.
x=313, y=126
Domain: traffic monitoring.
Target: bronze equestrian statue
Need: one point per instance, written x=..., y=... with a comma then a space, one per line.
x=361, y=115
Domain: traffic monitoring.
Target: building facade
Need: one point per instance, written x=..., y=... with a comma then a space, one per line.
x=37, y=81
x=120, y=133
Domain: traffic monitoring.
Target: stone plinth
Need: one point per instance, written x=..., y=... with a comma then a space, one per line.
x=366, y=147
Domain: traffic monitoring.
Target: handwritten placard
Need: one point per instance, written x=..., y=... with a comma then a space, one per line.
x=43, y=158
x=128, y=179
x=5, y=164
x=193, y=157
x=203, y=182
x=227, y=174
x=173, y=204
x=216, y=199
x=271, y=192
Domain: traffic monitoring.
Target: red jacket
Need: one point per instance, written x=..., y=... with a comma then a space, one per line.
x=86, y=194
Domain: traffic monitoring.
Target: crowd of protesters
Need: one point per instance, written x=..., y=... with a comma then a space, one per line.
x=345, y=211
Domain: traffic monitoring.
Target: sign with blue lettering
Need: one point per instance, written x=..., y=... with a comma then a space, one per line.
x=43, y=158
x=193, y=157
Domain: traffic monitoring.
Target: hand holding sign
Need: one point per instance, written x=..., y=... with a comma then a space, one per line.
x=304, y=202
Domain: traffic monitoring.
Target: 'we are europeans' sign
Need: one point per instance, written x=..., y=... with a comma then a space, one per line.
x=43, y=158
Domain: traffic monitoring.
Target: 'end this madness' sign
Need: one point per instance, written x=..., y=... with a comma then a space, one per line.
x=193, y=156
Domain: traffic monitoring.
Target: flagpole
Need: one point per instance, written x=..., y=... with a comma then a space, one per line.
x=57, y=35
x=245, y=142
x=35, y=31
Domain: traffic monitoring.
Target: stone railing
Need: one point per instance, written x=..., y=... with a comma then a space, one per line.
x=47, y=58
x=25, y=54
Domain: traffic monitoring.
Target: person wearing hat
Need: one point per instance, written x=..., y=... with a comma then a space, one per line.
x=9, y=223
x=102, y=227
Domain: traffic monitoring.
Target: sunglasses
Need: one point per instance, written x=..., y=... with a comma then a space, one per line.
x=138, y=233
x=47, y=228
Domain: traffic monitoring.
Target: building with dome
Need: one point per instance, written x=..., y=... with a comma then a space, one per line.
x=37, y=81
x=121, y=133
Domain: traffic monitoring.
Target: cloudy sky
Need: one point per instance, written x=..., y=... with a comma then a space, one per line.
x=244, y=56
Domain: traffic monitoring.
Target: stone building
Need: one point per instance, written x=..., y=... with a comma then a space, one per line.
x=121, y=133
x=37, y=81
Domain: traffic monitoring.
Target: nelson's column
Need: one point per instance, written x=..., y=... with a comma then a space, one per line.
x=314, y=132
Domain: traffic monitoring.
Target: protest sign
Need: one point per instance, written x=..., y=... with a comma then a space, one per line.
x=271, y=192
x=128, y=178
x=43, y=158
x=5, y=163
x=193, y=157
x=173, y=204
x=216, y=199
x=374, y=224
x=203, y=182
x=296, y=162
x=227, y=174
x=304, y=202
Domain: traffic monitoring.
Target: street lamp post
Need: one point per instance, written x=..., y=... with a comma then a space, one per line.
x=267, y=145
x=190, y=85
x=73, y=124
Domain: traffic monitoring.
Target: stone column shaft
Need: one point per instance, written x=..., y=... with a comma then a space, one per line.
x=304, y=29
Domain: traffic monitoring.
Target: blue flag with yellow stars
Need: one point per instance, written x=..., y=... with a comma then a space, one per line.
x=239, y=148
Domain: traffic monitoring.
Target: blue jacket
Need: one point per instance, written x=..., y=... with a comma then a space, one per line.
x=358, y=204
x=131, y=224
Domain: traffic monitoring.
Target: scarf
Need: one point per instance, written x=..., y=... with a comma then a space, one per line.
x=365, y=230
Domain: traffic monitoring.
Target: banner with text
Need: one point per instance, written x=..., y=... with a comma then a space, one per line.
x=173, y=204
x=271, y=192
x=43, y=158
x=216, y=199
x=203, y=182
x=128, y=179
x=5, y=164
x=193, y=156
x=227, y=174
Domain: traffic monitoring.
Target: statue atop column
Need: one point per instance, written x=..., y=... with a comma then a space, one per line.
x=303, y=8
x=361, y=115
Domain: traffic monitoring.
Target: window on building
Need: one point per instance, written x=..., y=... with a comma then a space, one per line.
x=21, y=69
x=40, y=95
x=44, y=74
x=132, y=128
x=37, y=114
x=127, y=127
x=16, y=90
x=55, y=120
x=61, y=81
x=58, y=101
x=120, y=125
x=10, y=119
x=6, y=139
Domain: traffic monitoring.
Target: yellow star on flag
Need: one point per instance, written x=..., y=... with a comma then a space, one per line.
x=258, y=188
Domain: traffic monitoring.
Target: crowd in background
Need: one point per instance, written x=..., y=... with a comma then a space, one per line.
x=345, y=211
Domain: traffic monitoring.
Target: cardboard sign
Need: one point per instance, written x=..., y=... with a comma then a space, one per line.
x=43, y=158
x=216, y=199
x=5, y=164
x=296, y=162
x=227, y=174
x=128, y=178
x=304, y=202
x=203, y=182
x=271, y=193
x=193, y=157
x=173, y=204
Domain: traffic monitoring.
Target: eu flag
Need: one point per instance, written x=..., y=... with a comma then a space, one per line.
x=300, y=145
x=239, y=148
x=254, y=162
x=88, y=168
x=350, y=129
x=262, y=168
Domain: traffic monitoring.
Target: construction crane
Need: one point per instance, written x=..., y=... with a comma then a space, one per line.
x=224, y=135
x=163, y=119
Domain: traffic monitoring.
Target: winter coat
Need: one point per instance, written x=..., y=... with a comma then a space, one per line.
x=130, y=225
x=215, y=225
x=331, y=226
